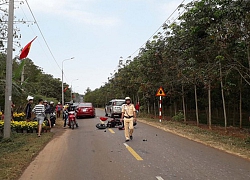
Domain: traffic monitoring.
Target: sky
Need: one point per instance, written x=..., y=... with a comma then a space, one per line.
x=95, y=32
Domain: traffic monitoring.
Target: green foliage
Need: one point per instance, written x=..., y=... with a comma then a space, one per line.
x=189, y=54
x=178, y=117
x=35, y=83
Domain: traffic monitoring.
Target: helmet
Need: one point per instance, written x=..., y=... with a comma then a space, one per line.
x=30, y=98
x=51, y=102
x=127, y=98
x=45, y=101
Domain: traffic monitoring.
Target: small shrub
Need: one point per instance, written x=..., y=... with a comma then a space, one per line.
x=178, y=117
x=247, y=141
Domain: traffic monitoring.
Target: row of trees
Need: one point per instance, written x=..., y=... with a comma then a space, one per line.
x=202, y=61
x=29, y=79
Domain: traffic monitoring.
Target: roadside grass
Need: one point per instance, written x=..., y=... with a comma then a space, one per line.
x=217, y=138
x=18, y=151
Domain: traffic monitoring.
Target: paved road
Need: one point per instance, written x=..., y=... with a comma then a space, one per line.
x=90, y=154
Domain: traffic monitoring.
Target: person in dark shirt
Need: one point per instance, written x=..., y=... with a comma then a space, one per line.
x=52, y=107
x=28, y=109
x=47, y=111
x=52, y=114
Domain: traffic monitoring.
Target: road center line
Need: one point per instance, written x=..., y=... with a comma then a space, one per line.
x=111, y=130
x=159, y=178
x=137, y=157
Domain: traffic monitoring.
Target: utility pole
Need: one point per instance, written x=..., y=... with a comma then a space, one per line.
x=22, y=75
x=62, y=80
x=8, y=85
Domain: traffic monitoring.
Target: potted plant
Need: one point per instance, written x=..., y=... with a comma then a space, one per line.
x=13, y=126
x=24, y=126
x=18, y=127
x=34, y=126
x=47, y=128
x=1, y=127
x=44, y=128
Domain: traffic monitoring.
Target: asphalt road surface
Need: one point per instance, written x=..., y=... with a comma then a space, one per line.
x=90, y=154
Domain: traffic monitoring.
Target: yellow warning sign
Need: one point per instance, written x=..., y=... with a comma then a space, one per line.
x=160, y=92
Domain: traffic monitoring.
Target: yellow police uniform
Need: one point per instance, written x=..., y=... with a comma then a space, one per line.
x=128, y=111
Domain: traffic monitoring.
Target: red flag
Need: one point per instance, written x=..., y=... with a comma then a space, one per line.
x=26, y=50
x=65, y=89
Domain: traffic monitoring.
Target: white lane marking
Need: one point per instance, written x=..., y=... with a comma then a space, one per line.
x=159, y=178
x=125, y=144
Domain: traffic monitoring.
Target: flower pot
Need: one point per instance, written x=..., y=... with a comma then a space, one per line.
x=19, y=131
x=25, y=131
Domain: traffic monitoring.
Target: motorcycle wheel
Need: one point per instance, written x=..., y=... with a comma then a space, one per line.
x=72, y=125
x=101, y=126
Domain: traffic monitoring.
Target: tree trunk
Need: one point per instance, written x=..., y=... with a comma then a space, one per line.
x=234, y=115
x=209, y=106
x=175, y=108
x=154, y=109
x=223, y=99
x=183, y=103
x=240, y=108
x=248, y=55
x=196, y=105
x=148, y=108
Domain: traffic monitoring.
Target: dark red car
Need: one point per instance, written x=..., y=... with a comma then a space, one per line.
x=84, y=110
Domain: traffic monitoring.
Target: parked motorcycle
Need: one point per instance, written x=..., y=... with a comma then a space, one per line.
x=72, y=120
x=53, y=119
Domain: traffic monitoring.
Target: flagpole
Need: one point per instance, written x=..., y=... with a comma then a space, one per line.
x=8, y=86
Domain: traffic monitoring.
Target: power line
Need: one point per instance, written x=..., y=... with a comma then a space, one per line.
x=160, y=27
x=43, y=36
x=34, y=33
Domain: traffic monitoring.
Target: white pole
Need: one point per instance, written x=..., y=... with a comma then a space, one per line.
x=8, y=86
x=160, y=108
x=62, y=80
x=62, y=87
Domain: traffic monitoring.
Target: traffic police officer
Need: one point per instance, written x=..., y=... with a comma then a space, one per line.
x=129, y=116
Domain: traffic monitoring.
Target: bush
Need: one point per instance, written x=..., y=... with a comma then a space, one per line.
x=178, y=117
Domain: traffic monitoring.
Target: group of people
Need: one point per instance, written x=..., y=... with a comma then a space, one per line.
x=43, y=111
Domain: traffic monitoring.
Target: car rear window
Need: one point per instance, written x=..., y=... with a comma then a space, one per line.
x=119, y=103
x=85, y=105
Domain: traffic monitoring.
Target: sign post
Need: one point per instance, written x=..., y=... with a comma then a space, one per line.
x=160, y=93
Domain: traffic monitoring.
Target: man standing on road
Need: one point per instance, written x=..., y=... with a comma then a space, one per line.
x=129, y=116
x=58, y=110
x=39, y=110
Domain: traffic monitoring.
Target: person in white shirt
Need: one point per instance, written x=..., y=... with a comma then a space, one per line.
x=39, y=110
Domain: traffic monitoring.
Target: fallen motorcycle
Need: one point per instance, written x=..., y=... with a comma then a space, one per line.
x=115, y=122
x=102, y=124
